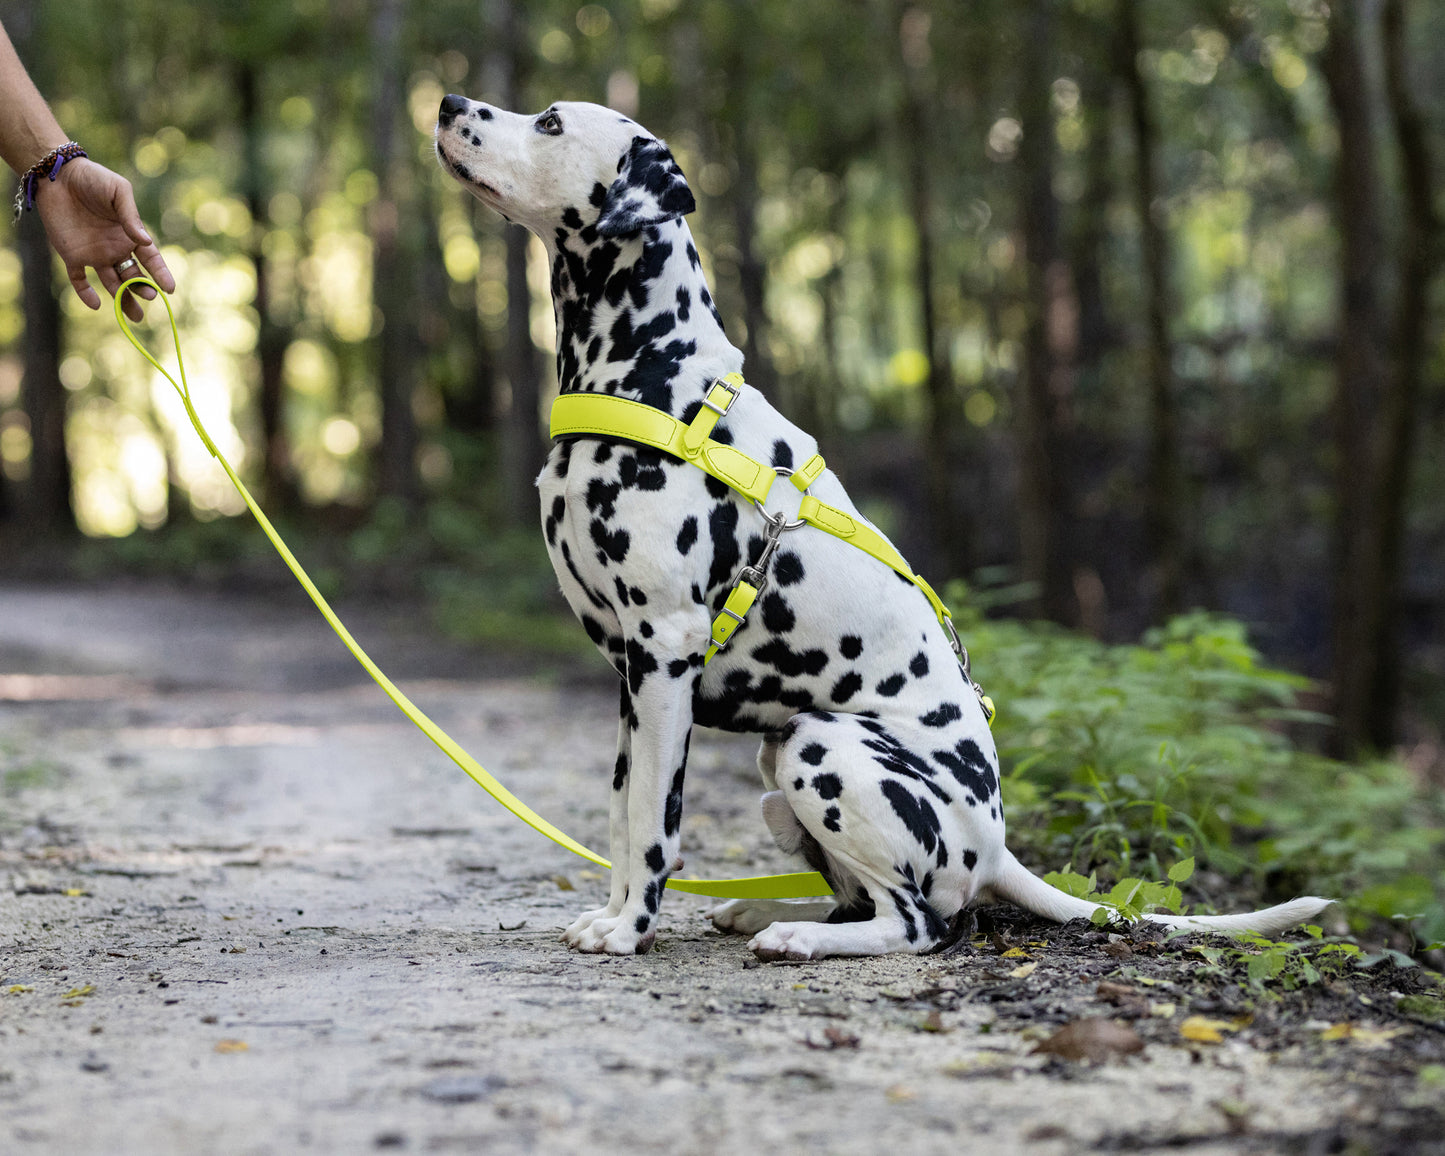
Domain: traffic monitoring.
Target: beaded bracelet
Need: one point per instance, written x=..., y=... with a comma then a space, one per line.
x=48, y=166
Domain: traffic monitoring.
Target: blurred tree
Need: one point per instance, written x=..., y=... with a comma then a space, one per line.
x=45, y=505
x=391, y=224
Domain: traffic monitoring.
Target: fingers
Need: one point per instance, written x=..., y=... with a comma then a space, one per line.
x=146, y=249
x=83, y=288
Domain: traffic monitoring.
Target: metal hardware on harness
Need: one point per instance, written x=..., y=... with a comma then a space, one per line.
x=782, y=472
x=757, y=573
x=961, y=653
x=731, y=391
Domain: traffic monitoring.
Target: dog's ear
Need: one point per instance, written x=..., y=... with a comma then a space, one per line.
x=649, y=189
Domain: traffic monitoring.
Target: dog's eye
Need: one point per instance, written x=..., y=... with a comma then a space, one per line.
x=550, y=123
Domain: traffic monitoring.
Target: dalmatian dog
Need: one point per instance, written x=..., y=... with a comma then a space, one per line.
x=876, y=759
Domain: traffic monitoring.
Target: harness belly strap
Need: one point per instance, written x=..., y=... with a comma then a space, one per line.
x=602, y=415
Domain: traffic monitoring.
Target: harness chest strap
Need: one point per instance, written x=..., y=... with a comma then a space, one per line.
x=607, y=416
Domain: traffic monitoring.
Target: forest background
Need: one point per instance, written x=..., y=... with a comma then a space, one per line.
x=1109, y=310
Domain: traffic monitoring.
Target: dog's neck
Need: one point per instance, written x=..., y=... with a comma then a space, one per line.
x=635, y=316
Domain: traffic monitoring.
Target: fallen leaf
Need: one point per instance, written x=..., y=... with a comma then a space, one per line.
x=74, y=892
x=1372, y=1039
x=18, y=989
x=1016, y=953
x=563, y=883
x=1118, y=949
x=1115, y=991
x=1203, y=1030
x=226, y=1047
x=1162, y=1010
x=900, y=1094
x=1023, y=971
x=1095, y=1039
x=77, y=992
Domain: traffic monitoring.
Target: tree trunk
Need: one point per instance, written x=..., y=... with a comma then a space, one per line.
x=522, y=449
x=46, y=496
x=1419, y=264
x=391, y=288
x=1050, y=339
x=45, y=503
x=278, y=478
x=952, y=530
x=1360, y=368
x=1164, y=517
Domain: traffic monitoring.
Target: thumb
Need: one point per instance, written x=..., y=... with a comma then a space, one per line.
x=126, y=213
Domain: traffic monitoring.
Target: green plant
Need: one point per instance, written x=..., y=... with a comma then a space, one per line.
x=1117, y=760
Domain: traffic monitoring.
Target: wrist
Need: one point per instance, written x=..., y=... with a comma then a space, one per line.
x=44, y=171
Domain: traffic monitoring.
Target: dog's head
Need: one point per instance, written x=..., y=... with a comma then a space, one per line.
x=574, y=164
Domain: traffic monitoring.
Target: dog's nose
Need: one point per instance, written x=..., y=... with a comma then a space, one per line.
x=452, y=107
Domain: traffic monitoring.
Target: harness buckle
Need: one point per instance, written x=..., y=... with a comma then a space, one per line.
x=730, y=390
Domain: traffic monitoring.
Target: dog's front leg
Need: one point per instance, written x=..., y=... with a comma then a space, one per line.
x=660, y=729
x=616, y=826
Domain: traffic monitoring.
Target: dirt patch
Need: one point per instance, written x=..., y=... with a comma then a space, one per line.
x=261, y=916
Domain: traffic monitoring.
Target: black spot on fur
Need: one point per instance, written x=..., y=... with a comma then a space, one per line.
x=687, y=536
x=788, y=662
x=891, y=685
x=968, y=764
x=850, y=646
x=640, y=663
x=678, y=667
x=813, y=754
x=946, y=713
x=672, y=814
x=787, y=569
x=610, y=544
x=831, y=817
x=782, y=454
x=970, y=859
x=919, y=665
x=917, y=815
x=777, y=614
x=846, y=687
x=828, y=785
x=654, y=858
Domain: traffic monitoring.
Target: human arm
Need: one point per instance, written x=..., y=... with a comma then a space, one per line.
x=88, y=211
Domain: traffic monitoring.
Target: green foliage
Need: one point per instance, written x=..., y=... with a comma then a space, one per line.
x=1128, y=899
x=1267, y=962
x=1118, y=760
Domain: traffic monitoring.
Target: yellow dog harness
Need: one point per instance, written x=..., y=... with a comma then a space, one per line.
x=602, y=415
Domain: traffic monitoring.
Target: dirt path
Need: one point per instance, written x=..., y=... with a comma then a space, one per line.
x=246, y=908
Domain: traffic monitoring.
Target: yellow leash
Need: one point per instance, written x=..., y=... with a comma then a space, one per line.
x=795, y=885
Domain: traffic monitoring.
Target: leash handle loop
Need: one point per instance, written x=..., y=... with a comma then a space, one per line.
x=795, y=885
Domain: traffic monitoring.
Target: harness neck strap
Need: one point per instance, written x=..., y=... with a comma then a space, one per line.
x=602, y=415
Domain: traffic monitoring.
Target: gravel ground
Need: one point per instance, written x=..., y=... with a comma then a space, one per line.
x=245, y=907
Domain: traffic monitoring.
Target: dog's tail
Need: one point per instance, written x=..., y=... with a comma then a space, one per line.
x=1018, y=884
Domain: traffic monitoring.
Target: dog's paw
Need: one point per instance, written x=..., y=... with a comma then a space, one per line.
x=745, y=916
x=610, y=935
x=795, y=941
x=579, y=926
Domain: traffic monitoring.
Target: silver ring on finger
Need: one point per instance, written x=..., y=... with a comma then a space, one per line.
x=123, y=269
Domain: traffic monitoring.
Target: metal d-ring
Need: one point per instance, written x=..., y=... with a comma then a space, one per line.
x=782, y=472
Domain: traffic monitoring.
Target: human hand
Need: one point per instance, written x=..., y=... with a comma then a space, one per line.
x=91, y=219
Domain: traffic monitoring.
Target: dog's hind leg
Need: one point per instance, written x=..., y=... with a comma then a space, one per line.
x=878, y=827
x=747, y=916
